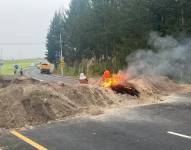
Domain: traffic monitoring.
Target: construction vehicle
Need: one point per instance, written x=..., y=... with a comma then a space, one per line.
x=46, y=68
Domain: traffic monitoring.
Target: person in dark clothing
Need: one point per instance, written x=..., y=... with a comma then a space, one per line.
x=21, y=71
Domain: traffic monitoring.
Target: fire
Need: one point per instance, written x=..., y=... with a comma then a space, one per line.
x=119, y=84
x=114, y=80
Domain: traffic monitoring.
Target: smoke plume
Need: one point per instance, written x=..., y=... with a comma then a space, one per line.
x=167, y=57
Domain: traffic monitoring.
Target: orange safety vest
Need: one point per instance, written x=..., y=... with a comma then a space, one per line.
x=106, y=75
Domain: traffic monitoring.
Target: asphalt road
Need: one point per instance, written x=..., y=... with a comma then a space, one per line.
x=34, y=73
x=165, y=126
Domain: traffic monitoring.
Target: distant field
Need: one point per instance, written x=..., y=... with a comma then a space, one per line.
x=8, y=66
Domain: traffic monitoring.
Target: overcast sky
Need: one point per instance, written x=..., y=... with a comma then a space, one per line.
x=24, y=25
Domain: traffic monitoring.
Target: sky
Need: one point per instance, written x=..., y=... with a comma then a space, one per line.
x=24, y=25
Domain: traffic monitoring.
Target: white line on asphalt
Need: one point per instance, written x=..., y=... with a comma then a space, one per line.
x=180, y=135
x=37, y=79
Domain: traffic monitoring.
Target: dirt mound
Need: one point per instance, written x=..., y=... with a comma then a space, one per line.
x=24, y=80
x=25, y=102
x=31, y=104
x=155, y=84
x=6, y=81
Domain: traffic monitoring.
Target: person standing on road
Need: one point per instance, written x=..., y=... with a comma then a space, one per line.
x=21, y=71
x=14, y=71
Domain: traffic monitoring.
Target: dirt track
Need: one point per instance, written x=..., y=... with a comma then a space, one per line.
x=25, y=102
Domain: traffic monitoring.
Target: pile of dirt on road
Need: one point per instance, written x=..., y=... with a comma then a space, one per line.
x=155, y=87
x=25, y=102
x=30, y=104
x=6, y=81
x=155, y=84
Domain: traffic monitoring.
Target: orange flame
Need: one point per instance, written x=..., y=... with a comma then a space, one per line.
x=114, y=80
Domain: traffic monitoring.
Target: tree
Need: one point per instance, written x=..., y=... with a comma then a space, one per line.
x=109, y=30
x=53, y=37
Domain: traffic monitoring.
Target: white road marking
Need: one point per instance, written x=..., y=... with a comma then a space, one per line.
x=37, y=79
x=180, y=135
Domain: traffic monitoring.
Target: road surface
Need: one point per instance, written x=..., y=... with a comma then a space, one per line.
x=165, y=126
x=34, y=73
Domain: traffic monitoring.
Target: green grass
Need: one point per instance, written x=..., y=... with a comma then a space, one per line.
x=8, y=66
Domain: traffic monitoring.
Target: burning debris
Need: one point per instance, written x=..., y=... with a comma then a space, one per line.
x=124, y=89
x=118, y=83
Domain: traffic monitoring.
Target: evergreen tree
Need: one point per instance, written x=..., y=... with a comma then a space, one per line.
x=53, y=38
x=109, y=30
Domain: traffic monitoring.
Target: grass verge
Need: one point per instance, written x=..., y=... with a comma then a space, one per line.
x=8, y=66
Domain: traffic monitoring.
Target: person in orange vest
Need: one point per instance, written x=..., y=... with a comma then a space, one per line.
x=106, y=79
x=106, y=75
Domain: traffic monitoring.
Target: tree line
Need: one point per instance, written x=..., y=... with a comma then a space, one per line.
x=100, y=34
